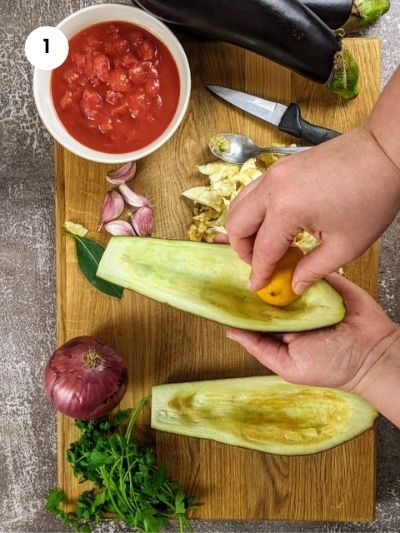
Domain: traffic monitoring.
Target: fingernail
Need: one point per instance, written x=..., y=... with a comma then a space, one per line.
x=251, y=285
x=301, y=287
x=233, y=335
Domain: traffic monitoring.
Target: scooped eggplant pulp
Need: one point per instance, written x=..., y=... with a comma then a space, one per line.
x=262, y=413
x=210, y=281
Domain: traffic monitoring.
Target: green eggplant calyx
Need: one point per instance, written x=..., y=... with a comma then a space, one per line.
x=345, y=75
x=365, y=13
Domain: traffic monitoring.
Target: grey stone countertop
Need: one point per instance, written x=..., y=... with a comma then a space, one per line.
x=27, y=293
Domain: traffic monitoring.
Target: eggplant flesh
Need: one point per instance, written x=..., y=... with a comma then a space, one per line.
x=285, y=31
x=263, y=413
x=210, y=281
x=334, y=13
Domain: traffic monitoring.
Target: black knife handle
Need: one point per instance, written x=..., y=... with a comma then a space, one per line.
x=293, y=123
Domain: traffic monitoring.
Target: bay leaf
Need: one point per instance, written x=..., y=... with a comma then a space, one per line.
x=89, y=253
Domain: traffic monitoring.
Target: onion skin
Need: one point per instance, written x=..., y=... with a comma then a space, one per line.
x=81, y=391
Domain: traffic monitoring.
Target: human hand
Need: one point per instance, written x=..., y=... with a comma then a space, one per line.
x=359, y=355
x=345, y=192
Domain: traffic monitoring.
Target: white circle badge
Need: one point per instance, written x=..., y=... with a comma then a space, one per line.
x=46, y=48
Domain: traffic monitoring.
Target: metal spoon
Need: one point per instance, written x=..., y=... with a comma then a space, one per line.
x=235, y=148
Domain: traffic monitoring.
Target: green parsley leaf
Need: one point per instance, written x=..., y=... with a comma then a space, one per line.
x=129, y=484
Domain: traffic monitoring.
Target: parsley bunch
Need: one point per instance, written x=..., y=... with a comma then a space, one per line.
x=129, y=483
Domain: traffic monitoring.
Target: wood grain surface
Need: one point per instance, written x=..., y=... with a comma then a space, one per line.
x=161, y=344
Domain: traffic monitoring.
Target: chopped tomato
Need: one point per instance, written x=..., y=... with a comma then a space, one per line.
x=137, y=104
x=118, y=89
x=106, y=125
x=137, y=75
x=135, y=37
x=93, y=42
x=113, y=31
x=157, y=102
x=121, y=46
x=109, y=48
x=101, y=67
x=147, y=51
x=66, y=100
x=119, y=81
x=150, y=69
x=152, y=87
x=83, y=80
x=120, y=110
x=112, y=97
x=128, y=60
x=89, y=66
x=80, y=61
x=91, y=103
x=71, y=76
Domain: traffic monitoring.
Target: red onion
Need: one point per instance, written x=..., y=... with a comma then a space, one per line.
x=85, y=378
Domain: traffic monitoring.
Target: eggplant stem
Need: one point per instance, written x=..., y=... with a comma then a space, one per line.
x=344, y=76
x=365, y=13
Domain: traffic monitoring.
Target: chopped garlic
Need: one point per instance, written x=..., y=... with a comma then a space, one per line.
x=219, y=142
x=306, y=242
x=75, y=229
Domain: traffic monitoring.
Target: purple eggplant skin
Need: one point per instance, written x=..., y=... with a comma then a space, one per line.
x=333, y=12
x=285, y=31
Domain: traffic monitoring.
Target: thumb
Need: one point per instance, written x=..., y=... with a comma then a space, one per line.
x=272, y=241
x=322, y=261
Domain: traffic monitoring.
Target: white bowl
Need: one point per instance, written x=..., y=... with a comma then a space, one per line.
x=94, y=15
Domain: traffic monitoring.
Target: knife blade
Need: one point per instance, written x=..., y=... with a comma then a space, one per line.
x=287, y=118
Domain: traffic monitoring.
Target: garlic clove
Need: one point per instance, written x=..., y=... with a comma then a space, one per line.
x=113, y=205
x=132, y=198
x=142, y=221
x=122, y=174
x=119, y=228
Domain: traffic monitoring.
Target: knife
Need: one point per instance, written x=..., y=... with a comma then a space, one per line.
x=287, y=118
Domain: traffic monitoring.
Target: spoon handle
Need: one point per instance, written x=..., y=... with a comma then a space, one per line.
x=288, y=150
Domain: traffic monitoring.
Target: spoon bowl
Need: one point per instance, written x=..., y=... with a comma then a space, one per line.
x=235, y=148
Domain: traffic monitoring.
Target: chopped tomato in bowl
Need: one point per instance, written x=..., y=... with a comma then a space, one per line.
x=123, y=89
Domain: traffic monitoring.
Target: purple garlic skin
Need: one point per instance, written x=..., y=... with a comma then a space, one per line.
x=122, y=174
x=113, y=205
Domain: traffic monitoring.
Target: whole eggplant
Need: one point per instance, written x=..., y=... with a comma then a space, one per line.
x=351, y=15
x=335, y=13
x=285, y=31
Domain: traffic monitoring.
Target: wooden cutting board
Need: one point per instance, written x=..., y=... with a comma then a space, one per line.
x=161, y=344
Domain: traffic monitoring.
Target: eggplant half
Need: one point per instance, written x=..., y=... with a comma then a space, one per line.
x=285, y=31
x=262, y=413
x=209, y=280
